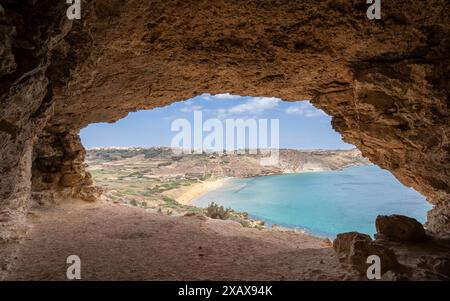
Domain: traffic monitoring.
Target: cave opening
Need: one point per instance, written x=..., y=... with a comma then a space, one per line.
x=182, y=159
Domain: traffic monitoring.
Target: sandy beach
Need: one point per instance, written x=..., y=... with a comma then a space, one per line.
x=186, y=195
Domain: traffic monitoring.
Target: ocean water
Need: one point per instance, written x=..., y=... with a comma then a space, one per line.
x=322, y=203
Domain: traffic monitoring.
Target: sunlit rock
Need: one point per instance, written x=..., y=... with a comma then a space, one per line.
x=399, y=228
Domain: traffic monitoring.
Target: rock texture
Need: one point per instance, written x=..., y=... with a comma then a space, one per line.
x=29, y=35
x=344, y=241
x=399, y=228
x=59, y=169
x=361, y=250
x=354, y=248
x=384, y=82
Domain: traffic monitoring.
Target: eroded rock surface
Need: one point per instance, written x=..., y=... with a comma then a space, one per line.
x=344, y=241
x=403, y=249
x=399, y=228
x=354, y=248
x=384, y=82
x=59, y=169
x=29, y=34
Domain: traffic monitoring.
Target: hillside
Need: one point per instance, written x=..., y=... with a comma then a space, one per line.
x=158, y=180
x=163, y=162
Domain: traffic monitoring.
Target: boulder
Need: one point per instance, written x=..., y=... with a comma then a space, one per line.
x=361, y=249
x=343, y=241
x=90, y=193
x=399, y=228
x=354, y=248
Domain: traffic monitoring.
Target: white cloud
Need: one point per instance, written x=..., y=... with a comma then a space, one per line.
x=207, y=96
x=315, y=113
x=295, y=110
x=304, y=108
x=189, y=108
x=224, y=96
x=256, y=105
x=250, y=106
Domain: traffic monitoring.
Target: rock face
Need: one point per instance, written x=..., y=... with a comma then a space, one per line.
x=384, y=82
x=361, y=250
x=355, y=248
x=59, y=169
x=399, y=228
x=29, y=35
x=344, y=241
x=439, y=265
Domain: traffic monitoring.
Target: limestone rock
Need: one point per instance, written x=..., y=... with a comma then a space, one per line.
x=361, y=249
x=354, y=248
x=399, y=228
x=343, y=241
x=439, y=265
x=89, y=193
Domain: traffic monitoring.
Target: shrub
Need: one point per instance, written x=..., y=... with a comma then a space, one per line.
x=217, y=212
x=171, y=203
x=244, y=223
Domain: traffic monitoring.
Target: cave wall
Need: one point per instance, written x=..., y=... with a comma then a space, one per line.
x=28, y=37
x=59, y=170
x=385, y=82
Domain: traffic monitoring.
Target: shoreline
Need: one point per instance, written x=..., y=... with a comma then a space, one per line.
x=188, y=195
x=194, y=191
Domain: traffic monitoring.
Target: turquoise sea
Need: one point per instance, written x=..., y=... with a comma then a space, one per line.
x=322, y=203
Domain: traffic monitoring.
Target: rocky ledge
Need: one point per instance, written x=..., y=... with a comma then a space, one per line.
x=404, y=249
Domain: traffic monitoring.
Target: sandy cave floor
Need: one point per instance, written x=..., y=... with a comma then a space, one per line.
x=117, y=242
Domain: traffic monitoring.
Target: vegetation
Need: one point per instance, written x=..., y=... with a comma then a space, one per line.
x=152, y=178
x=217, y=212
x=171, y=203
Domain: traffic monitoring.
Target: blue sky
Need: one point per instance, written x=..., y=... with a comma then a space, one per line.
x=302, y=126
